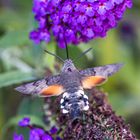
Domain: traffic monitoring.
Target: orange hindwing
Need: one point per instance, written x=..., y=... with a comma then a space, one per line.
x=92, y=81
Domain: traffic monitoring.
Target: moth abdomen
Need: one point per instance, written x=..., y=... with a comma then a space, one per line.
x=75, y=111
x=74, y=103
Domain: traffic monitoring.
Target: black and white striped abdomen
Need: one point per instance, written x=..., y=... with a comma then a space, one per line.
x=74, y=102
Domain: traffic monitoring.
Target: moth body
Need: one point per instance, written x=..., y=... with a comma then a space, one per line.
x=73, y=101
x=71, y=83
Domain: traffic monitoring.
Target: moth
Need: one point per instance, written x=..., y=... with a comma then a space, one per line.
x=71, y=83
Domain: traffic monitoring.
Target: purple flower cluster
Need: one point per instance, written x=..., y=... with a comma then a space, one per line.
x=36, y=133
x=76, y=21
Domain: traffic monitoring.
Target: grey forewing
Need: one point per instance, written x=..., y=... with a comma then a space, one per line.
x=35, y=87
x=104, y=71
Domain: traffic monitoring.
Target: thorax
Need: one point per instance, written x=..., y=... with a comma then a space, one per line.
x=70, y=81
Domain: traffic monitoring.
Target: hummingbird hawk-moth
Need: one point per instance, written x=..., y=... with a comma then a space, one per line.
x=71, y=83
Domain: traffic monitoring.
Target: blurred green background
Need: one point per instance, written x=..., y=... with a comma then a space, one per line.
x=22, y=61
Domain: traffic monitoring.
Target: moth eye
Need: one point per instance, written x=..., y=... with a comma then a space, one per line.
x=46, y=80
x=69, y=69
x=94, y=72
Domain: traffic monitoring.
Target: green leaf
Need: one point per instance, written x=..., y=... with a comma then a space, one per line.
x=2, y=113
x=11, y=19
x=31, y=106
x=14, y=38
x=125, y=105
x=49, y=60
x=14, y=77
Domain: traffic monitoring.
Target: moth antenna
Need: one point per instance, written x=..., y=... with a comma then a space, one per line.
x=82, y=54
x=54, y=55
x=67, y=51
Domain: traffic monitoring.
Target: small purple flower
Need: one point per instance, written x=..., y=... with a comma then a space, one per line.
x=89, y=11
x=46, y=137
x=53, y=130
x=44, y=35
x=24, y=122
x=18, y=137
x=34, y=35
x=83, y=20
x=36, y=134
